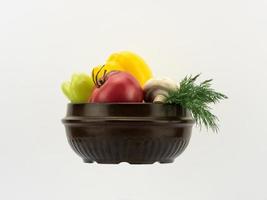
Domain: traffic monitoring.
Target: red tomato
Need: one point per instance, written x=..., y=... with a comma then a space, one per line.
x=117, y=86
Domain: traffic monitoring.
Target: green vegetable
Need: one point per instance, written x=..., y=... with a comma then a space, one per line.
x=196, y=98
x=79, y=89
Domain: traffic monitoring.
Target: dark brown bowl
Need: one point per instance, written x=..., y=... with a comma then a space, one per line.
x=137, y=133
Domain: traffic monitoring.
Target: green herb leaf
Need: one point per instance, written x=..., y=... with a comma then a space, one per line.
x=196, y=98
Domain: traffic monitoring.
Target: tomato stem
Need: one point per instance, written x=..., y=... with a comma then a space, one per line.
x=95, y=77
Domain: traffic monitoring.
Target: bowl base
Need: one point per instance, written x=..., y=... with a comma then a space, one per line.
x=147, y=162
x=87, y=161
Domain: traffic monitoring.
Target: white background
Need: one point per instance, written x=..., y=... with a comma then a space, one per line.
x=43, y=42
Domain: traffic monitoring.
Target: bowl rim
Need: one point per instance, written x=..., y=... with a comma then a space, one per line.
x=121, y=103
x=84, y=113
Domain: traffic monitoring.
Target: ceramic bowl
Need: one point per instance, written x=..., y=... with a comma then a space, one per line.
x=137, y=133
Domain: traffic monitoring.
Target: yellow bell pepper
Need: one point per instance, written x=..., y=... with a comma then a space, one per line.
x=128, y=62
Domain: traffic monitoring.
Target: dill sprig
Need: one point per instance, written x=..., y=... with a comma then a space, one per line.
x=196, y=98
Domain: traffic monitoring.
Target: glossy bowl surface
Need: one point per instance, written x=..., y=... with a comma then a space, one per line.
x=137, y=133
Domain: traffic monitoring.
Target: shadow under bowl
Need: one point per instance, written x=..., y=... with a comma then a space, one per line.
x=137, y=133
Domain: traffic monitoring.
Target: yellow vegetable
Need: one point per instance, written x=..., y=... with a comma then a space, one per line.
x=128, y=62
